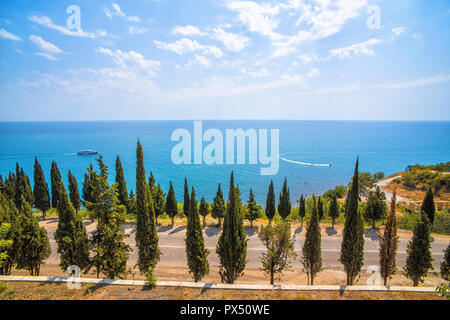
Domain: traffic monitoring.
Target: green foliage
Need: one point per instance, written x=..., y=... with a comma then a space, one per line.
x=232, y=243
x=270, y=203
x=8, y=216
x=204, y=209
x=445, y=265
x=375, y=208
x=122, y=192
x=150, y=278
x=419, y=259
x=302, y=208
x=338, y=192
x=280, y=248
x=428, y=207
x=110, y=253
x=159, y=202
x=88, y=184
x=40, y=191
x=320, y=209
x=73, y=192
x=218, y=206
x=171, y=203
x=434, y=176
x=334, y=210
x=311, y=250
x=443, y=290
x=5, y=243
x=195, y=244
x=352, y=247
x=146, y=235
x=71, y=236
x=132, y=210
x=31, y=243
x=389, y=244
x=284, y=202
x=186, y=199
x=253, y=210
x=56, y=184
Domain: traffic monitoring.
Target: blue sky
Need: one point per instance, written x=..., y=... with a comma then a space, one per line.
x=225, y=59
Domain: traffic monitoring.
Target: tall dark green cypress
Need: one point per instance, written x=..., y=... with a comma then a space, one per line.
x=302, y=209
x=74, y=193
x=146, y=236
x=159, y=202
x=334, y=210
x=428, y=207
x=270, y=203
x=253, y=210
x=40, y=191
x=445, y=265
x=71, y=236
x=312, y=249
x=232, y=243
x=352, y=247
x=22, y=187
x=171, y=203
x=56, y=184
x=203, y=210
x=122, y=192
x=284, y=202
x=218, y=206
x=196, y=252
x=186, y=199
x=419, y=259
x=320, y=208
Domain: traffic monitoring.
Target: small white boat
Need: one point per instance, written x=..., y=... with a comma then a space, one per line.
x=86, y=152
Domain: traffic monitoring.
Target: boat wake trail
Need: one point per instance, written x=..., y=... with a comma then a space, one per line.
x=306, y=163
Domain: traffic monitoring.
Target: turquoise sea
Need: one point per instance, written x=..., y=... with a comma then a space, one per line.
x=382, y=146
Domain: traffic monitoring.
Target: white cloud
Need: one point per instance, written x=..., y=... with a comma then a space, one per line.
x=187, y=45
x=309, y=58
x=116, y=11
x=200, y=60
x=188, y=31
x=418, y=36
x=137, y=30
x=398, y=31
x=257, y=17
x=133, y=60
x=47, y=22
x=233, y=42
x=260, y=73
x=363, y=48
x=49, y=50
x=7, y=35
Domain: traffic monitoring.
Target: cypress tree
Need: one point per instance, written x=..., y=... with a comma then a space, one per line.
x=40, y=192
x=171, y=203
x=270, y=203
x=196, y=252
x=122, y=192
x=152, y=186
x=159, y=202
x=218, y=206
x=8, y=216
x=22, y=187
x=204, y=209
x=334, y=210
x=352, y=247
x=74, y=193
x=284, y=202
x=31, y=242
x=376, y=208
x=132, y=204
x=312, y=250
x=445, y=265
x=186, y=199
x=71, y=236
x=302, y=209
x=56, y=184
x=253, y=210
x=389, y=244
x=146, y=236
x=232, y=243
x=320, y=208
x=428, y=207
x=419, y=259
x=110, y=252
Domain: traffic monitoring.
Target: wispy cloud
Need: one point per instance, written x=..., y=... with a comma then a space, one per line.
x=48, y=49
x=188, y=31
x=362, y=48
x=47, y=22
x=232, y=42
x=9, y=36
x=186, y=45
x=116, y=11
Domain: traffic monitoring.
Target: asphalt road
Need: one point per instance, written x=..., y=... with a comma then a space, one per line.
x=171, y=242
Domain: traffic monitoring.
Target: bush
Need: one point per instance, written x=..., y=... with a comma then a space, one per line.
x=441, y=222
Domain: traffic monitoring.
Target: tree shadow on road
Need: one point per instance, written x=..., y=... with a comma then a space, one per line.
x=330, y=231
x=251, y=231
x=373, y=234
x=179, y=229
x=164, y=228
x=212, y=231
x=298, y=230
